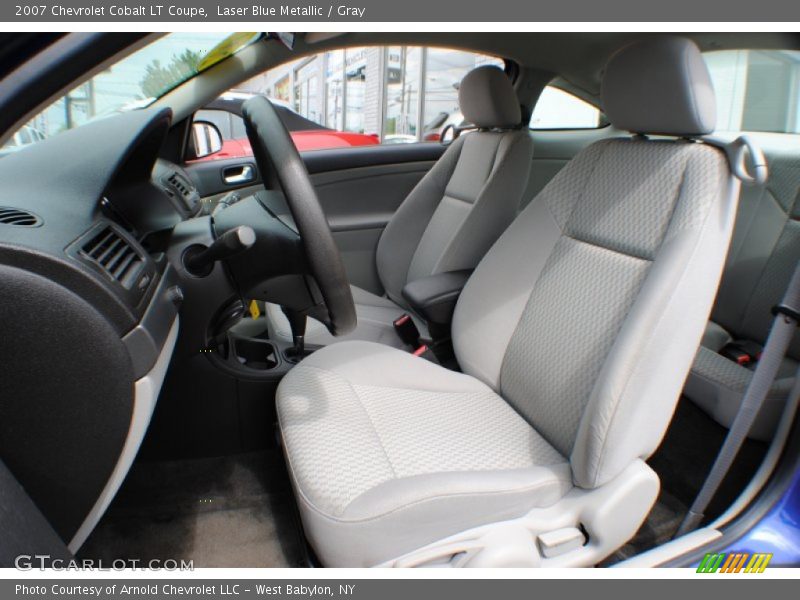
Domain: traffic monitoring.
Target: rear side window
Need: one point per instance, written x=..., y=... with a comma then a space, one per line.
x=757, y=90
x=557, y=109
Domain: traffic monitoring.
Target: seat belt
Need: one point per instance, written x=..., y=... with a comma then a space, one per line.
x=25, y=530
x=787, y=319
x=746, y=159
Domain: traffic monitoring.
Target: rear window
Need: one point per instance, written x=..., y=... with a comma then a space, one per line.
x=557, y=109
x=757, y=90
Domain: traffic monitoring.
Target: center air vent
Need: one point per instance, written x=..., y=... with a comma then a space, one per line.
x=18, y=218
x=114, y=255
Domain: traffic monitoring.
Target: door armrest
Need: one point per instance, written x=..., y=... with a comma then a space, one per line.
x=434, y=298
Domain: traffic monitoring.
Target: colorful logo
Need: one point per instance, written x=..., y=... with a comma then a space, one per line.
x=734, y=562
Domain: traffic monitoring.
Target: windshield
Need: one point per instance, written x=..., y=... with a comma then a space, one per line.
x=134, y=82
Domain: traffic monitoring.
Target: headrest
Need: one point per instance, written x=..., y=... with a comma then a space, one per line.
x=660, y=86
x=488, y=99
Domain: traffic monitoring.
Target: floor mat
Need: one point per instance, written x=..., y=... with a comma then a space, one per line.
x=232, y=511
x=682, y=462
x=688, y=452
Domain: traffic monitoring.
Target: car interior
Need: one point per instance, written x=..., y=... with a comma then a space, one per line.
x=515, y=346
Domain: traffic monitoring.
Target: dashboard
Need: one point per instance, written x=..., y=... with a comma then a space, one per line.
x=88, y=305
x=114, y=282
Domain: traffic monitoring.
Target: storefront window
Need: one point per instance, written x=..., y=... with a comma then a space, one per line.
x=282, y=89
x=334, y=89
x=361, y=96
x=444, y=70
x=356, y=77
x=307, y=97
x=403, y=82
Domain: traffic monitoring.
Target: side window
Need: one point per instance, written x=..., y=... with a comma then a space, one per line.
x=557, y=109
x=354, y=97
x=444, y=70
x=757, y=90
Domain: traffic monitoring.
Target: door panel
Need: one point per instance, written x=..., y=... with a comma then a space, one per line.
x=359, y=203
x=239, y=175
x=243, y=192
x=209, y=176
x=359, y=189
x=366, y=198
x=358, y=253
x=320, y=161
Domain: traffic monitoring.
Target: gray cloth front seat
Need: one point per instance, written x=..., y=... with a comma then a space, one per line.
x=575, y=334
x=764, y=253
x=452, y=217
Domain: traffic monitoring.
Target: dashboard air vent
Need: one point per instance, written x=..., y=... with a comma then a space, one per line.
x=114, y=255
x=183, y=187
x=18, y=218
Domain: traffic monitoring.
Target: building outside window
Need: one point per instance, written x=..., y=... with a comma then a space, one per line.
x=407, y=94
x=307, y=98
x=757, y=90
x=402, y=94
x=283, y=89
x=444, y=69
x=403, y=84
x=357, y=71
x=334, y=89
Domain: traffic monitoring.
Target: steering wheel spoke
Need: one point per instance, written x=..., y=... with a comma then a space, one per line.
x=277, y=159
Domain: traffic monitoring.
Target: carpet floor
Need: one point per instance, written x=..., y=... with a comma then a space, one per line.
x=682, y=462
x=232, y=511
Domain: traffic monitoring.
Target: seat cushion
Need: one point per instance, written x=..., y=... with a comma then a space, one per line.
x=377, y=440
x=718, y=385
x=375, y=315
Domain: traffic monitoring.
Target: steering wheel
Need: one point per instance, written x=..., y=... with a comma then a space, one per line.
x=277, y=156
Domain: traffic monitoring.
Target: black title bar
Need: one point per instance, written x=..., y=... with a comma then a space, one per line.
x=439, y=11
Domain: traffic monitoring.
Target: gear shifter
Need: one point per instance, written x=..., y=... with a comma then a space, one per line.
x=297, y=322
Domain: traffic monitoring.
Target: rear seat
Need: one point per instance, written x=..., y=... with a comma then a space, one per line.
x=764, y=252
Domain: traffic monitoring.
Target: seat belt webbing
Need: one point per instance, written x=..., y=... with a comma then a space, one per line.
x=780, y=336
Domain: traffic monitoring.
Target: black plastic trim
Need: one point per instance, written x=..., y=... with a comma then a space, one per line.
x=145, y=341
x=787, y=311
x=434, y=297
x=338, y=159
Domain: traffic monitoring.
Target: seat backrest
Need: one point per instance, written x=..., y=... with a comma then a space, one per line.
x=764, y=251
x=586, y=314
x=469, y=197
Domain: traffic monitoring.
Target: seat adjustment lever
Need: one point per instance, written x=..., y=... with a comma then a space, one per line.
x=560, y=541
